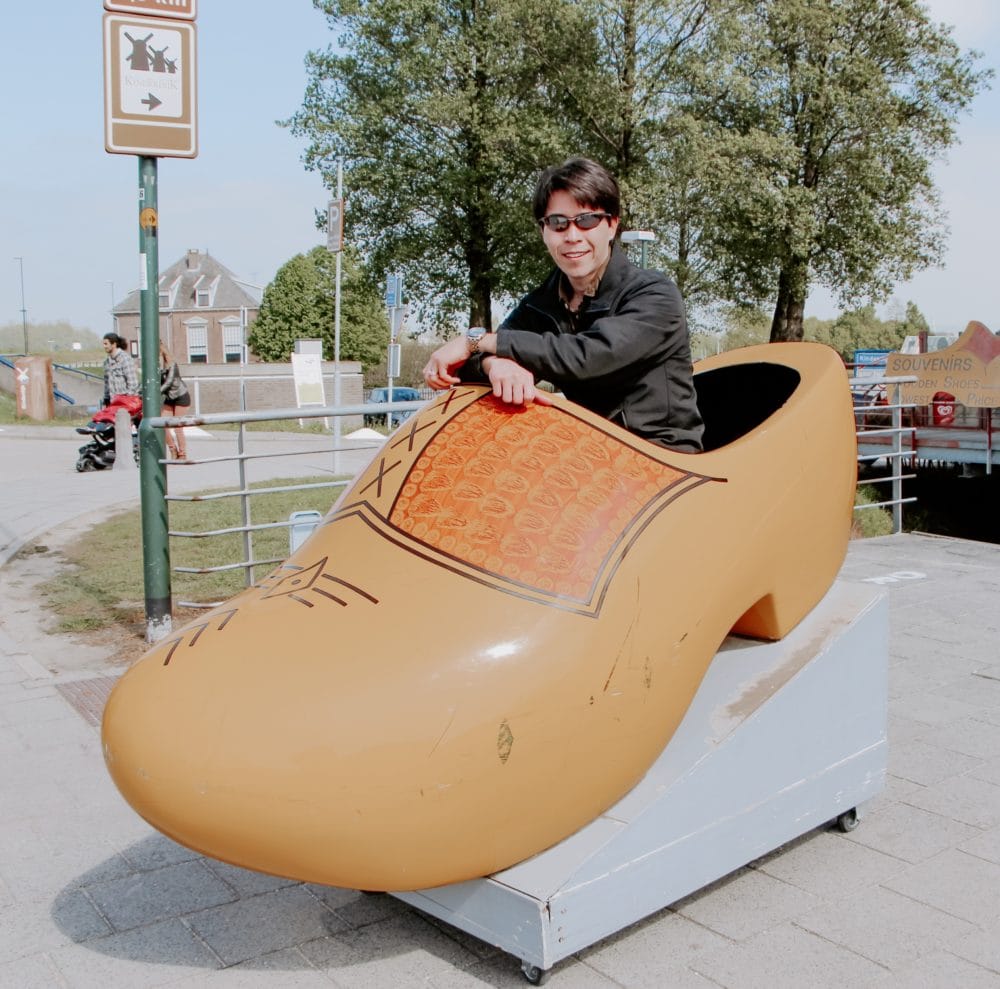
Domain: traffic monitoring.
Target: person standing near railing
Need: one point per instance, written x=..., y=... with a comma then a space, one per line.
x=174, y=396
x=120, y=374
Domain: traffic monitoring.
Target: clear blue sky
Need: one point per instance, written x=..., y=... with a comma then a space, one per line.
x=965, y=288
x=69, y=208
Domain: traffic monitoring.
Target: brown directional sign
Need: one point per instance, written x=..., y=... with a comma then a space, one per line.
x=150, y=102
x=180, y=9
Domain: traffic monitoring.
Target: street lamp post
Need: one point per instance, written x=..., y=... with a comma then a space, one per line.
x=642, y=237
x=24, y=312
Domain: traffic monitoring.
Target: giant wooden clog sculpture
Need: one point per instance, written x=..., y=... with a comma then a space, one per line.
x=494, y=632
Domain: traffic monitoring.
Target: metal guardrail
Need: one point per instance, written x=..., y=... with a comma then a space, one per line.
x=92, y=376
x=87, y=376
x=896, y=456
x=243, y=491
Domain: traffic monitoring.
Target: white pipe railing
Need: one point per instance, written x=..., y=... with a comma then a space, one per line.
x=243, y=490
x=895, y=456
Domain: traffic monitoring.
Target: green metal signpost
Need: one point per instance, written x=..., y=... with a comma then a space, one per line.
x=151, y=111
x=152, y=473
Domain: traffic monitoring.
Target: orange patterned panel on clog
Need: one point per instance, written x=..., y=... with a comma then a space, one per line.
x=537, y=499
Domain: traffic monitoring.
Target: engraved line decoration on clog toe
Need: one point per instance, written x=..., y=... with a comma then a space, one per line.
x=305, y=579
x=493, y=633
x=219, y=620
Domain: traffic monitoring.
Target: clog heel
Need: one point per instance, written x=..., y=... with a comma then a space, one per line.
x=494, y=632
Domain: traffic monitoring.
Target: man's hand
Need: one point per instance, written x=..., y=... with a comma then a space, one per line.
x=439, y=370
x=512, y=383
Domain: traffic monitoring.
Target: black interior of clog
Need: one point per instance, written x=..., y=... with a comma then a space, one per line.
x=735, y=399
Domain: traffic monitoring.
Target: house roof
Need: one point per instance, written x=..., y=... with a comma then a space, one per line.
x=197, y=272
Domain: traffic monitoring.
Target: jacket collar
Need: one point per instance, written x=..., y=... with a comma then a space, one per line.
x=611, y=281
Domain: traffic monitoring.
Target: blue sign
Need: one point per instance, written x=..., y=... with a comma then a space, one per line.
x=869, y=363
x=393, y=291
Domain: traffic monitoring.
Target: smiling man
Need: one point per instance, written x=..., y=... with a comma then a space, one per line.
x=612, y=337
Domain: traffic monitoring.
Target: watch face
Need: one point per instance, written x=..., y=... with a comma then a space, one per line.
x=472, y=337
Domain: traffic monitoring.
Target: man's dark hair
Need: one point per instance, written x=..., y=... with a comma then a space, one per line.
x=120, y=342
x=587, y=182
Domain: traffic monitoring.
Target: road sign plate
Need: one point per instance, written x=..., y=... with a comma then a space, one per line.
x=335, y=225
x=150, y=100
x=393, y=291
x=182, y=9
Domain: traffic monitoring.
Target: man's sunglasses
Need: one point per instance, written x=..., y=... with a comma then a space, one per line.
x=583, y=221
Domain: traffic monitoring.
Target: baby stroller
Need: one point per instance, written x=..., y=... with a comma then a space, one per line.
x=99, y=453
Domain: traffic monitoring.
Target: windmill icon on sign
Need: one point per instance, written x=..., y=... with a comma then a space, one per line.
x=138, y=58
x=148, y=54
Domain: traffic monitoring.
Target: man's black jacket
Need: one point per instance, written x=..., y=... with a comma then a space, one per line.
x=625, y=355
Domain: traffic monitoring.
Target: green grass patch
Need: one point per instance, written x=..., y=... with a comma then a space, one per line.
x=9, y=416
x=273, y=426
x=871, y=522
x=103, y=581
x=8, y=408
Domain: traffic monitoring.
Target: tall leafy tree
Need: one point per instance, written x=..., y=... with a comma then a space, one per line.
x=299, y=304
x=626, y=101
x=632, y=105
x=443, y=115
x=770, y=144
x=914, y=321
x=842, y=107
x=856, y=329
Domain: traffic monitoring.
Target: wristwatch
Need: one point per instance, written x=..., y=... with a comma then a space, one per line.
x=473, y=336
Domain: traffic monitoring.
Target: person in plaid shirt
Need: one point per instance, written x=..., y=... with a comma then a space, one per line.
x=120, y=375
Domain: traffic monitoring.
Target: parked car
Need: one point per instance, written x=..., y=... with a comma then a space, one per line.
x=380, y=396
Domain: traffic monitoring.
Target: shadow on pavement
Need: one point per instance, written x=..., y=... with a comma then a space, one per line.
x=159, y=903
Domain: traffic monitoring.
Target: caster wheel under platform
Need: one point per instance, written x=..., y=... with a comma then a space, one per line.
x=535, y=975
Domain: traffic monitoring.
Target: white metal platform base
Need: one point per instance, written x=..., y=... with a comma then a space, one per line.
x=780, y=739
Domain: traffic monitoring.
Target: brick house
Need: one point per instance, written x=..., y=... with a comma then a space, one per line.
x=205, y=311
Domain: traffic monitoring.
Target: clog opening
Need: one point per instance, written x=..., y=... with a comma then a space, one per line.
x=736, y=399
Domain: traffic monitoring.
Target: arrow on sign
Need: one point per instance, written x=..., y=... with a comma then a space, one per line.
x=152, y=102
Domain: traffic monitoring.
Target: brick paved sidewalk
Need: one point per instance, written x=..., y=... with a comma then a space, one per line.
x=91, y=896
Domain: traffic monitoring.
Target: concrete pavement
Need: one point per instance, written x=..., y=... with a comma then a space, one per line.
x=91, y=896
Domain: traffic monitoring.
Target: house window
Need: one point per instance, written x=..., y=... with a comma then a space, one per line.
x=202, y=298
x=197, y=334
x=232, y=342
x=164, y=300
